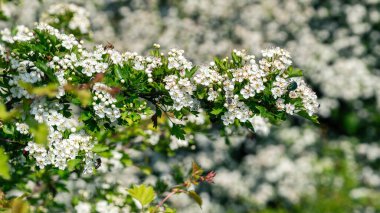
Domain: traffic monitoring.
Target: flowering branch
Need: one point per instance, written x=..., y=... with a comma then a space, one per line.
x=74, y=93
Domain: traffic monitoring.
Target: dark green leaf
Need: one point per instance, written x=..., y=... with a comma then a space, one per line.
x=177, y=130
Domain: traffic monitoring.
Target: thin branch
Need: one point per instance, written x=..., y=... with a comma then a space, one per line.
x=174, y=191
x=10, y=141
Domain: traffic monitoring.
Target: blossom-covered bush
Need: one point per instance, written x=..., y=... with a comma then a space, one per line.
x=68, y=99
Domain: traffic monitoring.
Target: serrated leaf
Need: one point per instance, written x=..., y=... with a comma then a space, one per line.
x=178, y=131
x=4, y=166
x=100, y=148
x=216, y=111
x=294, y=72
x=85, y=115
x=195, y=197
x=8, y=129
x=144, y=194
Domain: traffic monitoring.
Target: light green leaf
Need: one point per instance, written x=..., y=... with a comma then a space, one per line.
x=71, y=164
x=4, y=166
x=40, y=134
x=4, y=114
x=216, y=111
x=145, y=195
x=49, y=90
x=294, y=72
x=19, y=206
x=8, y=129
x=100, y=148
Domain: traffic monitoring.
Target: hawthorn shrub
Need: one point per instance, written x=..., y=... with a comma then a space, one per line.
x=63, y=106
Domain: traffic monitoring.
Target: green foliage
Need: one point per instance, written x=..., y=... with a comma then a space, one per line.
x=6, y=115
x=195, y=197
x=144, y=194
x=40, y=133
x=100, y=148
x=177, y=130
x=292, y=72
x=4, y=166
x=73, y=164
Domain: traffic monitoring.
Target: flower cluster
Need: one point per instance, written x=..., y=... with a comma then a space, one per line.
x=181, y=91
x=92, y=62
x=57, y=14
x=294, y=88
x=65, y=142
x=22, y=33
x=207, y=76
x=22, y=128
x=178, y=61
x=27, y=72
x=67, y=41
x=103, y=103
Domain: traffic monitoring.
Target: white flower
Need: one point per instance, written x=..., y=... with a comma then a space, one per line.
x=104, y=103
x=83, y=207
x=23, y=128
x=289, y=108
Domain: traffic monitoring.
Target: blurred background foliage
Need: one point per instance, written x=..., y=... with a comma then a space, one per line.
x=298, y=167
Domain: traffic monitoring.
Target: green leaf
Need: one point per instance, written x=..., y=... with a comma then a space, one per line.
x=19, y=206
x=49, y=90
x=85, y=115
x=191, y=72
x=8, y=129
x=100, y=148
x=196, y=170
x=177, y=130
x=84, y=97
x=71, y=164
x=144, y=194
x=40, y=134
x=312, y=118
x=4, y=166
x=195, y=197
x=294, y=72
x=236, y=59
x=44, y=68
x=217, y=111
x=4, y=114
x=169, y=210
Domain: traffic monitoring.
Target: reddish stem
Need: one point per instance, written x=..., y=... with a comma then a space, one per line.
x=166, y=198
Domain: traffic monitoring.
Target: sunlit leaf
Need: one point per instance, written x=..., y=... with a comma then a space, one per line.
x=144, y=194
x=4, y=166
